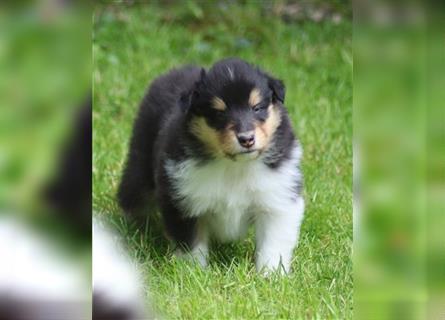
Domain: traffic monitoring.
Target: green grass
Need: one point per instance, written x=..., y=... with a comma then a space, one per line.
x=133, y=45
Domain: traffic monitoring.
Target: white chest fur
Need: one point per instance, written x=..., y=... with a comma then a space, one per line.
x=228, y=194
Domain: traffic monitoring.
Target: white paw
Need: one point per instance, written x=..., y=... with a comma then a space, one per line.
x=196, y=256
x=267, y=266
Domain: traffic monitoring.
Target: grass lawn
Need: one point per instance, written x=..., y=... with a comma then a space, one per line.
x=131, y=46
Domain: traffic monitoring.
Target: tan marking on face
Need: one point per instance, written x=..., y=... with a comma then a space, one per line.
x=218, y=104
x=217, y=143
x=264, y=131
x=207, y=135
x=228, y=141
x=254, y=97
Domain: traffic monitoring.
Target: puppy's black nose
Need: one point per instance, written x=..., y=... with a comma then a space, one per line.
x=246, y=139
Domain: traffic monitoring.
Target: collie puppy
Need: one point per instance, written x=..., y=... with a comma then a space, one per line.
x=217, y=150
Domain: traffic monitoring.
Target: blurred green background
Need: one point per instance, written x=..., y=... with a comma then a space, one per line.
x=45, y=72
x=307, y=45
x=399, y=247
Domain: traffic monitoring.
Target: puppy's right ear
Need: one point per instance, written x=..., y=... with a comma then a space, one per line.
x=192, y=96
x=278, y=88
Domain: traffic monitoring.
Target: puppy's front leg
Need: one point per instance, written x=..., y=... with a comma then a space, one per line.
x=189, y=234
x=277, y=231
x=198, y=250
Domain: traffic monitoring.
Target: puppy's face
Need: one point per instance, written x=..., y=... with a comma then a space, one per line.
x=234, y=111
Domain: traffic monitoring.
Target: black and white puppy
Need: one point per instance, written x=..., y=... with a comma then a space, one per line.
x=218, y=150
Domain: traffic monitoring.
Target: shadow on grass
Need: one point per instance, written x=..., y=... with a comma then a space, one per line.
x=226, y=255
x=145, y=236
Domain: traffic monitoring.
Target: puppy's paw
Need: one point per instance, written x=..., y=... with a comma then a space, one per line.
x=272, y=266
x=195, y=256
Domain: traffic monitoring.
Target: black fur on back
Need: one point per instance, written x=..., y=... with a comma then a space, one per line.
x=158, y=106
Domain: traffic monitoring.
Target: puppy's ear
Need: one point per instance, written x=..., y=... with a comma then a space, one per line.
x=185, y=100
x=191, y=96
x=278, y=89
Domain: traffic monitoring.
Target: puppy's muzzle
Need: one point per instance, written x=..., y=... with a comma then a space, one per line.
x=246, y=139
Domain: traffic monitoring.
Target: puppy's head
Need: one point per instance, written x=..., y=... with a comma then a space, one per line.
x=234, y=109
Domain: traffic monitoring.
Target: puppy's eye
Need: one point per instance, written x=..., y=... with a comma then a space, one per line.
x=257, y=108
x=219, y=113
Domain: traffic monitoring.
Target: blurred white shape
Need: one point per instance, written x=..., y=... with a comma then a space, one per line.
x=32, y=266
x=37, y=278
x=117, y=283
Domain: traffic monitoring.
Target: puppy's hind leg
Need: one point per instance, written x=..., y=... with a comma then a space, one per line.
x=136, y=184
x=138, y=177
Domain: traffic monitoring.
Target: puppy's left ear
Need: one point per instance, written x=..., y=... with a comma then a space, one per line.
x=185, y=100
x=278, y=89
x=189, y=97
